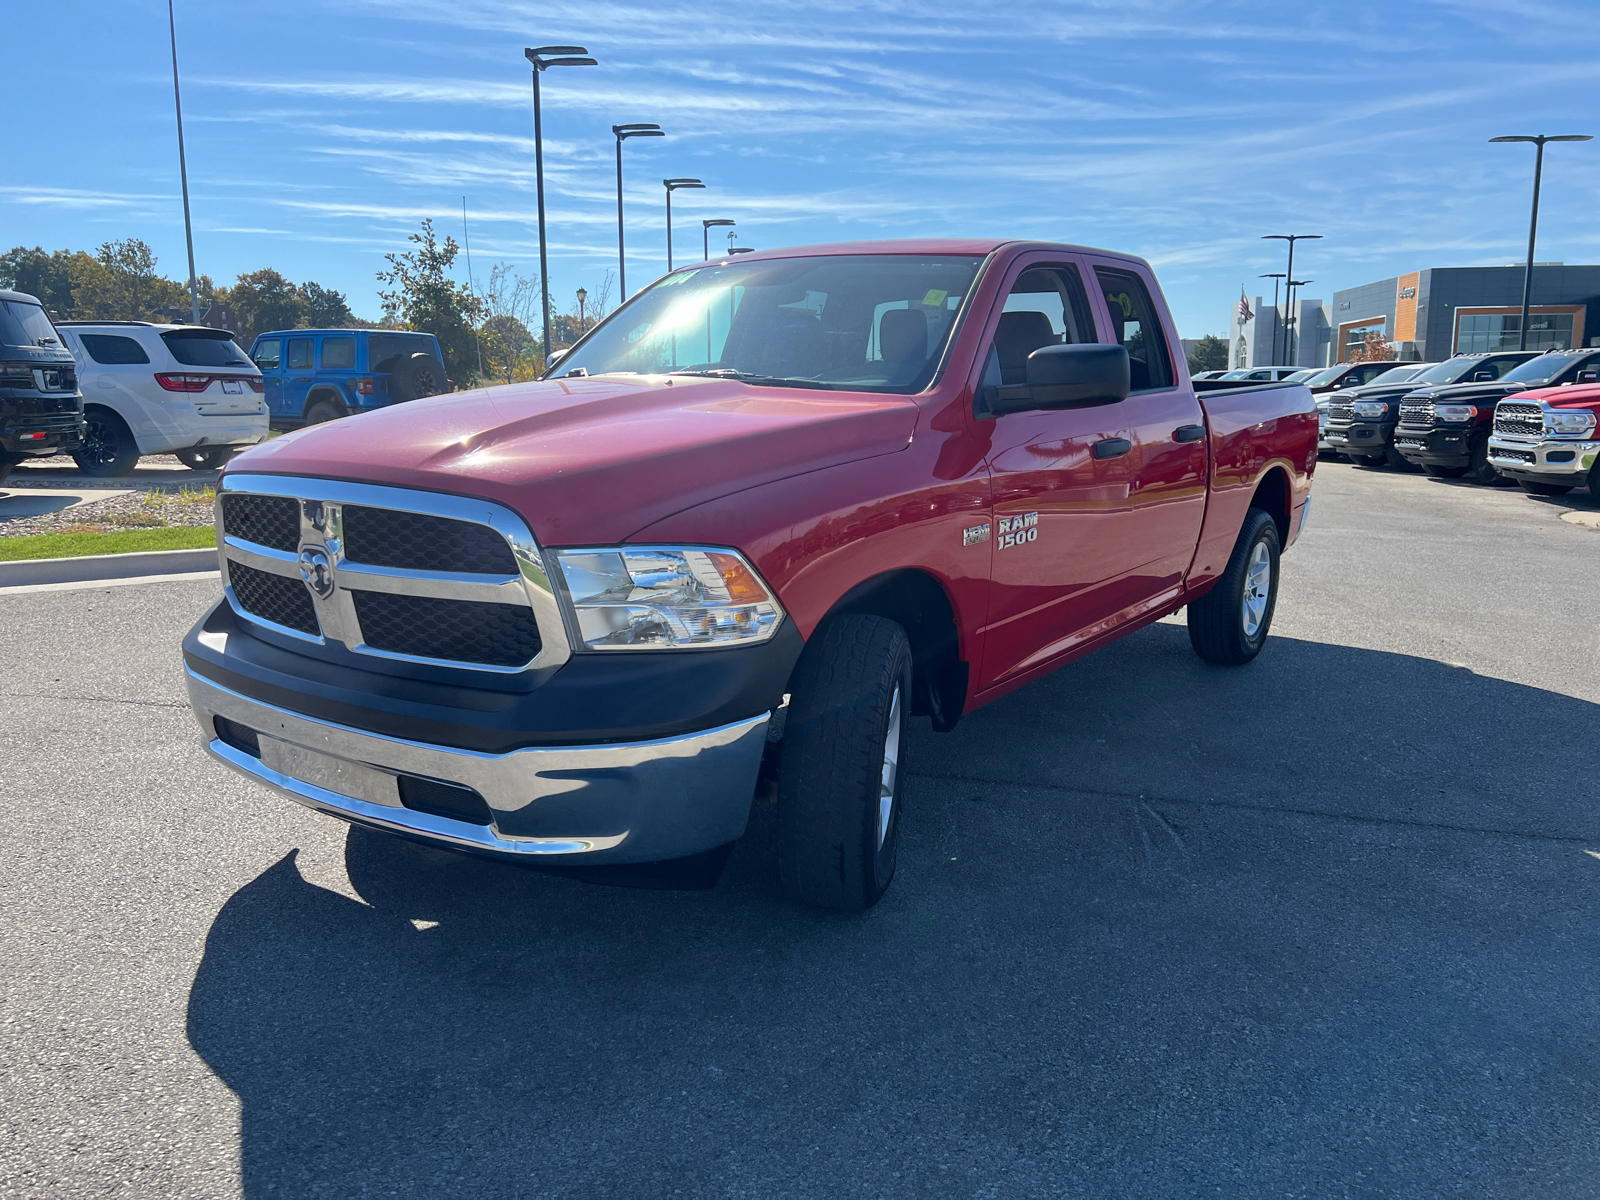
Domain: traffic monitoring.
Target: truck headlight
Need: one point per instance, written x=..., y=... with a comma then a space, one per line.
x=1569, y=422
x=1455, y=412
x=659, y=597
x=1370, y=409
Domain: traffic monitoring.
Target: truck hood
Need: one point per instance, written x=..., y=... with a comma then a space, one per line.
x=591, y=460
x=1463, y=392
x=1578, y=396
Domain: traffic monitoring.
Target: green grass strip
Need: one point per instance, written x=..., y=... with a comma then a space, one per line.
x=71, y=545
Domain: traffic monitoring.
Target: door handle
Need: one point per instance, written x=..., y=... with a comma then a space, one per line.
x=1188, y=433
x=1112, y=448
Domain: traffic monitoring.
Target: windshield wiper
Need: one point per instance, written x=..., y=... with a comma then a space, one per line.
x=752, y=377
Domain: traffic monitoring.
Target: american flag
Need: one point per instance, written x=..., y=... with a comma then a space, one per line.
x=1244, y=308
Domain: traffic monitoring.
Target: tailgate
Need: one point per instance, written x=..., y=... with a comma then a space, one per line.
x=225, y=397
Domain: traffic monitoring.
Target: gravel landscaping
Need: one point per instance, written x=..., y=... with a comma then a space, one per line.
x=147, y=508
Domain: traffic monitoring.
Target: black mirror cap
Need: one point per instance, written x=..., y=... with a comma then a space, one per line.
x=1483, y=377
x=1589, y=376
x=1071, y=376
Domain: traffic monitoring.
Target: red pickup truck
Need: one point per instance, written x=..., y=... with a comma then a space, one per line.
x=769, y=510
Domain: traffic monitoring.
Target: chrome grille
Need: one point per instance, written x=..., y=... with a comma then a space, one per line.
x=1341, y=410
x=275, y=598
x=386, y=537
x=390, y=572
x=501, y=635
x=1417, y=414
x=1519, y=420
x=265, y=520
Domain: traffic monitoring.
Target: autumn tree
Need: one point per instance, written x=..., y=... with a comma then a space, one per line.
x=421, y=293
x=1374, y=348
x=1210, y=353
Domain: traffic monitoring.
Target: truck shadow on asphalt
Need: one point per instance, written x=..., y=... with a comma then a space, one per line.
x=1159, y=929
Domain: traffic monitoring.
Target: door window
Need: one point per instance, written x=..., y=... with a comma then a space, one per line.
x=268, y=354
x=1047, y=307
x=112, y=349
x=339, y=353
x=300, y=354
x=1134, y=320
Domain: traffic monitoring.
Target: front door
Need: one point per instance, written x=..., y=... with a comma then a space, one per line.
x=297, y=373
x=267, y=354
x=1061, y=482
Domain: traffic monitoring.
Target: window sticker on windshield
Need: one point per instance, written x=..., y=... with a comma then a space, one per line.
x=934, y=298
x=676, y=280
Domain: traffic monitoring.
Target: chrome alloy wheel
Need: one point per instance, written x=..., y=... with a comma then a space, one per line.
x=1257, y=587
x=891, y=768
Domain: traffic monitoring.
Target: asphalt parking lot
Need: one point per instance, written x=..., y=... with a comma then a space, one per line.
x=1323, y=926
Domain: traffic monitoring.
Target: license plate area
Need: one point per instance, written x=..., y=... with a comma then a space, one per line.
x=338, y=775
x=233, y=387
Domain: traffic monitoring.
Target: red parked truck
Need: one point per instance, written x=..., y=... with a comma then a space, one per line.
x=772, y=507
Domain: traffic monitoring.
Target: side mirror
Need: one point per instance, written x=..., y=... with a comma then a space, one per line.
x=1074, y=376
x=1589, y=376
x=555, y=357
x=1484, y=377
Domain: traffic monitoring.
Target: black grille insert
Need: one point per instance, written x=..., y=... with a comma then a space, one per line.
x=387, y=537
x=443, y=799
x=275, y=598
x=1524, y=456
x=265, y=520
x=500, y=635
x=240, y=737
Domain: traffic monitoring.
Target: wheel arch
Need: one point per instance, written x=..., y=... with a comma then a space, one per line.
x=1274, y=495
x=324, y=391
x=918, y=602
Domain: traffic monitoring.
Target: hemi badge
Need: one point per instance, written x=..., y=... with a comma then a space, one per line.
x=973, y=534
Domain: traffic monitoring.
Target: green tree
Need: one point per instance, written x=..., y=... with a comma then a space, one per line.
x=264, y=300
x=46, y=276
x=325, y=308
x=429, y=301
x=1210, y=353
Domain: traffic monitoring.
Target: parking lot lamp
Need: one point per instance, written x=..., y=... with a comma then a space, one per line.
x=673, y=185
x=624, y=132
x=583, y=298
x=705, y=234
x=1533, y=222
x=1291, y=238
x=542, y=58
x=183, y=169
x=1292, y=325
x=1275, y=322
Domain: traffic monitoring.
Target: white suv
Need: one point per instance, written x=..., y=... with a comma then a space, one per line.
x=163, y=389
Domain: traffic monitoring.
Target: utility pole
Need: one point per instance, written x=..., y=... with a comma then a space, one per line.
x=1533, y=221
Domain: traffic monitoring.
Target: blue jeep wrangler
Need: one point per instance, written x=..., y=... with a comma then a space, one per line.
x=316, y=375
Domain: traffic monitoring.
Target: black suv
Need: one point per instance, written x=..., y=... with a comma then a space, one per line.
x=1362, y=421
x=1445, y=430
x=41, y=410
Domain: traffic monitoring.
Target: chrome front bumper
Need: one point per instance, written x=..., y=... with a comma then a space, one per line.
x=627, y=802
x=1575, y=457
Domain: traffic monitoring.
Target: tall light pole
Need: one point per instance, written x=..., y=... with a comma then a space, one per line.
x=1293, y=326
x=1533, y=223
x=540, y=57
x=1291, y=238
x=705, y=234
x=583, y=297
x=624, y=132
x=1275, y=321
x=673, y=185
x=183, y=169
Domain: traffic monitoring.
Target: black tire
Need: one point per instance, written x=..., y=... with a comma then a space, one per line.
x=324, y=411
x=1370, y=463
x=204, y=458
x=415, y=376
x=1593, y=478
x=108, y=448
x=1445, y=472
x=5, y=468
x=1482, y=469
x=851, y=692
x=1219, y=622
x=1547, y=489
x=1396, y=460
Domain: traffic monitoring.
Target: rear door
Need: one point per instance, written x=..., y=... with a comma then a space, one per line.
x=1170, y=464
x=116, y=372
x=1059, y=506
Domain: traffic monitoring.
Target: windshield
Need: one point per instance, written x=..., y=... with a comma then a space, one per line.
x=1299, y=377
x=857, y=322
x=1328, y=376
x=1449, y=371
x=23, y=324
x=1544, y=368
x=1400, y=374
x=195, y=349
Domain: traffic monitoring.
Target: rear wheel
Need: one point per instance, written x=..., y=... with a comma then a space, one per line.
x=1229, y=624
x=323, y=411
x=1547, y=489
x=108, y=448
x=207, y=458
x=841, y=766
x=1445, y=472
x=5, y=468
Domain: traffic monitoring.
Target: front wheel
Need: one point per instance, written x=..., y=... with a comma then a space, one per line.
x=1547, y=489
x=841, y=768
x=1482, y=469
x=1438, y=472
x=1368, y=461
x=208, y=458
x=1228, y=625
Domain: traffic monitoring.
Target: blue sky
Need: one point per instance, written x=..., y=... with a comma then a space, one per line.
x=320, y=134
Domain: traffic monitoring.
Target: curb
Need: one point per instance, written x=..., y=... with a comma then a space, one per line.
x=89, y=567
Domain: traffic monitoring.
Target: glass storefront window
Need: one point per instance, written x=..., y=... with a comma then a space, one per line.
x=1480, y=333
x=1356, y=339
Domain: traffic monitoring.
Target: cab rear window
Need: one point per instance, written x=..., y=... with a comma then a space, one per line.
x=204, y=349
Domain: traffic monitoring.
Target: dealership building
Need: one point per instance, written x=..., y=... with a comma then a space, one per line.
x=1428, y=316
